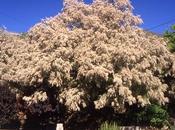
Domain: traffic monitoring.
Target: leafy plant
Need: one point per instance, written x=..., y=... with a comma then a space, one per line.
x=109, y=126
x=157, y=116
x=170, y=35
x=154, y=115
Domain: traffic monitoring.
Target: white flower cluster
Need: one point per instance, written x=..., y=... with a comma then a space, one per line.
x=74, y=99
x=36, y=98
x=91, y=54
x=37, y=103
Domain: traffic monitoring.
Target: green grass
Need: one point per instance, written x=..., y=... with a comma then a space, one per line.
x=109, y=126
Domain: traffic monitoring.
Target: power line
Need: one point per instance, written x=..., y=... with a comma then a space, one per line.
x=159, y=25
x=148, y=29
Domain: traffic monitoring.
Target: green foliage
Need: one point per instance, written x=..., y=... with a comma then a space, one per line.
x=170, y=35
x=153, y=115
x=23, y=35
x=157, y=116
x=109, y=126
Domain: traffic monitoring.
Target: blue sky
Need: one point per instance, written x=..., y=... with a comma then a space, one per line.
x=20, y=15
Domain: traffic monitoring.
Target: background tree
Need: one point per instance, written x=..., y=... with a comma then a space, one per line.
x=170, y=35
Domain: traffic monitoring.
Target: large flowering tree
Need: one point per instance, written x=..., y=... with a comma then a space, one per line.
x=88, y=54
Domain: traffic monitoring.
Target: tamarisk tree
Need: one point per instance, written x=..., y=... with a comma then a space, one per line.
x=88, y=54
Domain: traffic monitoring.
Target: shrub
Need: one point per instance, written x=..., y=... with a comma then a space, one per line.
x=154, y=115
x=170, y=35
x=157, y=116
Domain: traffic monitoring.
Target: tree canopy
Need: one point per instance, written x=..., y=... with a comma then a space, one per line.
x=89, y=54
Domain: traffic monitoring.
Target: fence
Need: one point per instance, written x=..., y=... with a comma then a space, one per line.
x=60, y=127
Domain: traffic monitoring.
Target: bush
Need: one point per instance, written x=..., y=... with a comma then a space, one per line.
x=153, y=115
x=170, y=35
x=157, y=116
x=109, y=126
